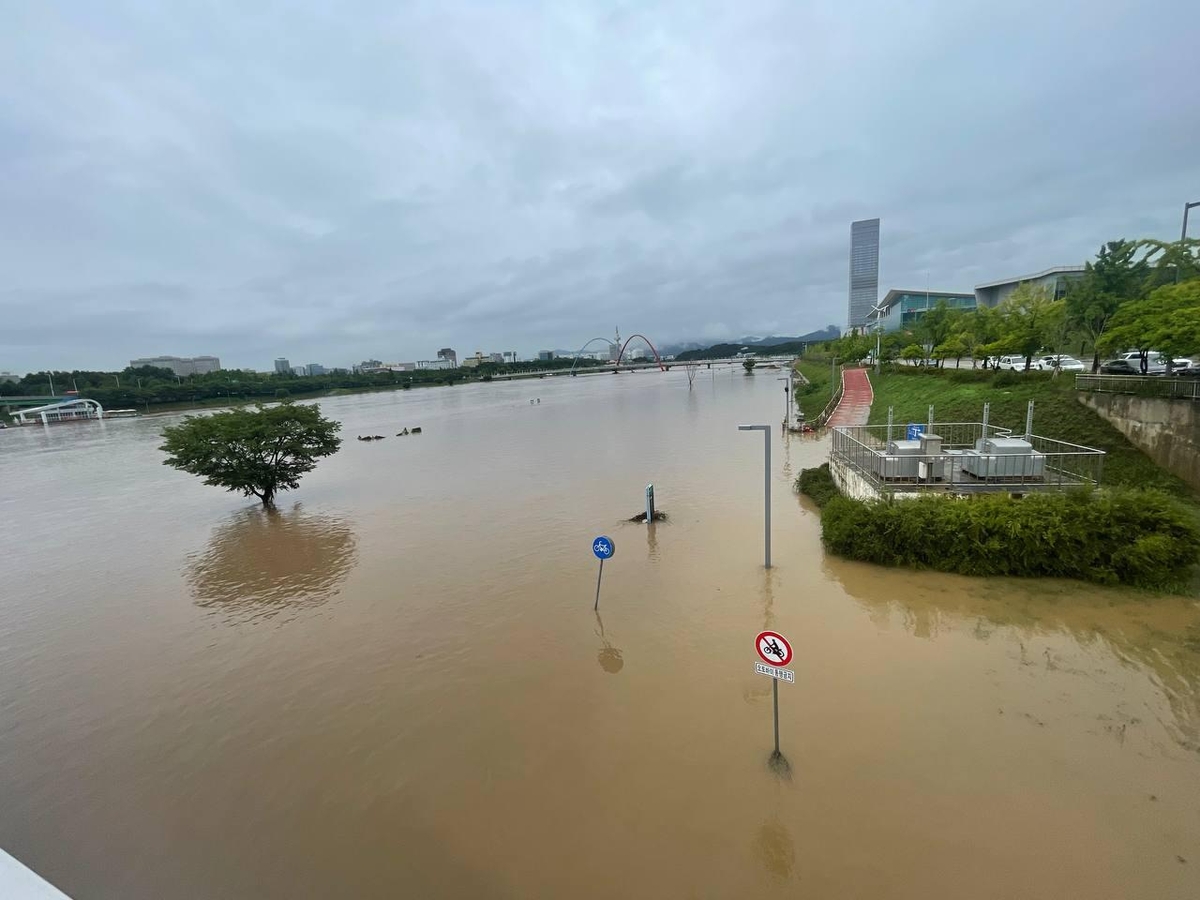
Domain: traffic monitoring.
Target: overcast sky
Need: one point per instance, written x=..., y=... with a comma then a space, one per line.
x=339, y=181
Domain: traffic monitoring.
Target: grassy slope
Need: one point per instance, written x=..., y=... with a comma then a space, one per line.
x=815, y=397
x=1057, y=414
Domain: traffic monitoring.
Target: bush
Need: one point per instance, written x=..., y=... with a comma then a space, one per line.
x=817, y=484
x=1007, y=378
x=1135, y=537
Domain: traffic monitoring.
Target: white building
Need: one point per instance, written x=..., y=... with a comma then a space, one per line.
x=180, y=365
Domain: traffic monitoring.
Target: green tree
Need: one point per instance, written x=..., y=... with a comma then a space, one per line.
x=257, y=451
x=954, y=347
x=1170, y=262
x=748, y=365
x=1114, y=278
x=936, y=325
x=1167, y=321
x=1028, y=318
x=913, y=352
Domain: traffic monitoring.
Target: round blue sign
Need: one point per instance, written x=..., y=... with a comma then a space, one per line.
x=604, y=547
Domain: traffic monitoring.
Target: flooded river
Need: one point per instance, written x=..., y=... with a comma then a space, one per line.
x=397, y=687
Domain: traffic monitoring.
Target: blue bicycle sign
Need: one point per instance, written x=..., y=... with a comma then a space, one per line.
x=603, y=547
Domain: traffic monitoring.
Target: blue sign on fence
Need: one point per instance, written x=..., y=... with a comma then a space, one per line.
x=604, y=547
x=914, y=432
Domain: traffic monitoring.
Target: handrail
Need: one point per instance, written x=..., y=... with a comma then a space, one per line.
x=1172, y=387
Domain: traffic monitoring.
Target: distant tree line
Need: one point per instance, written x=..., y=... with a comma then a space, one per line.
x=728, y=351
x=1135, y=295
x=146, y=385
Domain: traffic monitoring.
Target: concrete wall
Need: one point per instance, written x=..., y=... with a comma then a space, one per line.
x=1168, y=431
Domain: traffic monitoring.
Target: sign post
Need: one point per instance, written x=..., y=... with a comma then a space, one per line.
x=603, y=548
x=775, y=652
x=650, y=504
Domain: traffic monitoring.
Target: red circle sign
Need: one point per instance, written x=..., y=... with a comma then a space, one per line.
x=773, y=648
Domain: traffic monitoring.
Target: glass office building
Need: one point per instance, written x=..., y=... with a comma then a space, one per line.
x=864, y=272
x=902, y=309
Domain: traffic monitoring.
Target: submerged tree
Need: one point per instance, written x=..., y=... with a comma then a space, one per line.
x=257, y=451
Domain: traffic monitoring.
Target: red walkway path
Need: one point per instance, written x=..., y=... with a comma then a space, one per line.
x=855, y=405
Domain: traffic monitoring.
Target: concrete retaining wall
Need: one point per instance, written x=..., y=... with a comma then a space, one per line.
x=1168, y=431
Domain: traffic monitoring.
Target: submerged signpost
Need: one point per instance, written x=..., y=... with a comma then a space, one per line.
x=775, y=652
x=603, y=548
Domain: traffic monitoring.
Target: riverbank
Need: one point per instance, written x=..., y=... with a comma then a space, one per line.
x=1138, y=538
x=958, y=395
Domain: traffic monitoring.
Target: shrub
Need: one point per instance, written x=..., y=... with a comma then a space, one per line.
x=1007, y=378
x=1134, y=537
x=817, y=484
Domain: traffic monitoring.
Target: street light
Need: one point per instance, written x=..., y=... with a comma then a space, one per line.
x=1183, y=232
x=878, y=310
x=766, y=430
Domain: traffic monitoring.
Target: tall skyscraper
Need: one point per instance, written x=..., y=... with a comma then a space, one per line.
x=282, y=366
x=864, y=271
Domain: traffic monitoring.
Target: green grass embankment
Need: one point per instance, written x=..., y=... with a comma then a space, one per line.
x=813, y=397
x=958, y=396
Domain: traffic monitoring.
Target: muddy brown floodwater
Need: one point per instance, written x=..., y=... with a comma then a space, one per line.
x=396, y=685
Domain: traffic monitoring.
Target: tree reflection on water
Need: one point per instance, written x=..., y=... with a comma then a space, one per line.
x=262, y=563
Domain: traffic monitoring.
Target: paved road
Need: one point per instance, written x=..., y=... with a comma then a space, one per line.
x=855, y=405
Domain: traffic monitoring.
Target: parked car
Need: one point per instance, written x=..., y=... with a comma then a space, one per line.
x=1062, y=363
x=1153, y=357
x=1133, y=366
x=1012, y=362
x=1191, y=371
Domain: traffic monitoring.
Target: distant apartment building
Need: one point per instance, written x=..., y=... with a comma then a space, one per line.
x=367, y=365
x=282, y=366
x=314, y=369
x=1055, y=279
x=447, y=353
x=509, y=356
x=9, y=377
x=180, y=365
x=434, y=364
x=864, y=272
x=545, y=355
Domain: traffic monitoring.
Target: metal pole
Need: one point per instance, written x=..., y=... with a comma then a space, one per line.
x=1183, y=233
x=1029, y=421
x=767, y=494
x=598, y=577
x=766, y=430
x=775, y=697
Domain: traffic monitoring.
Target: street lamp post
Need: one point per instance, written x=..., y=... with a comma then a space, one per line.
x=766, y=430
x=1183, y=231
x=878, y=310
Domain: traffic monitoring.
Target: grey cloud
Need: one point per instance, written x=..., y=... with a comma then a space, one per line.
x=383, y=179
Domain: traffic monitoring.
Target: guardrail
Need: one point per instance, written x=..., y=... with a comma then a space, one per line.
x=1142, y=385
x=961, y=468
x=823, y=415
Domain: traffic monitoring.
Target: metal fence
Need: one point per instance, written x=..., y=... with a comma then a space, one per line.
x=964, y=465
x=1142, y=385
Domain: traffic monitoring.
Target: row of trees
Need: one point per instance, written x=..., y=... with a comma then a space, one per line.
x=147, y=385
x=1141, y=295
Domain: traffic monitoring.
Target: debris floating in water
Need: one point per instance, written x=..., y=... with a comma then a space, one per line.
x=659, y=516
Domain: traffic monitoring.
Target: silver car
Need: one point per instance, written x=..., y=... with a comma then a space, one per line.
x=1062, y=363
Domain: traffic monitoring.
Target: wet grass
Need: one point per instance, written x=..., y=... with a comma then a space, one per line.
x=814, y=396
x=959, y=397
